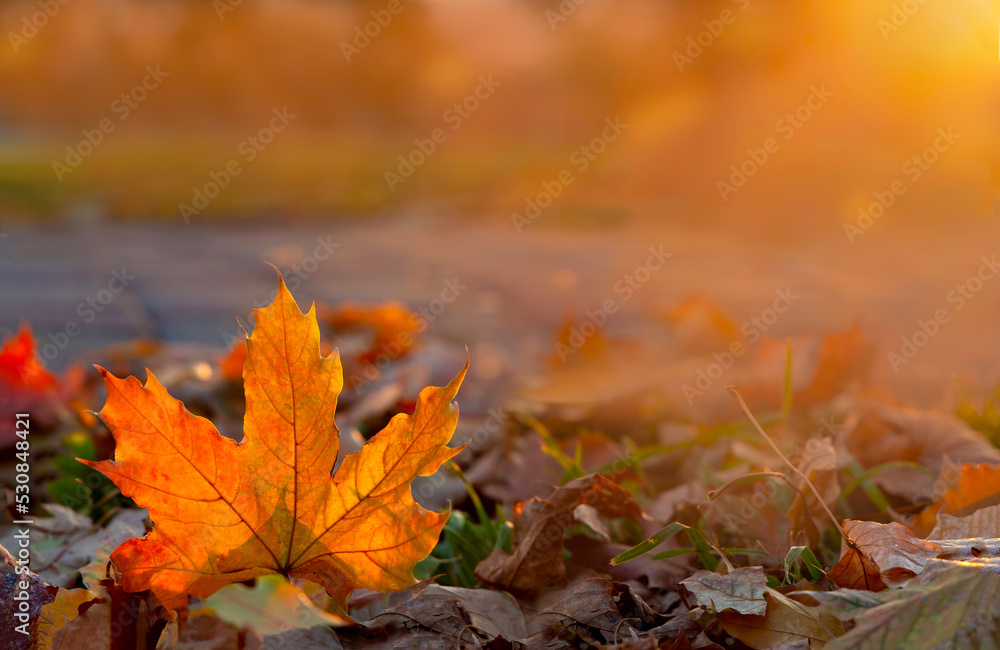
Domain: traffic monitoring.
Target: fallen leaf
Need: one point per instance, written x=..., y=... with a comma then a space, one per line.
x=227, y=512
x=949, y=605
x=884, y=555
x=539, y=525
x=981, y=523
x=272, y=606
x=108, y=617
x=822, y=367
x=25, y=386
x=855, y=570
x=394, y=331
x=599, y=605
x=882, y=434
x=313, y=638
x=689, y=625
x=57, y=614
x=572, y=346
x=836, y=360
x=20, y=367
x=700, y=325
x=740, y=590
x=784, y=622
x=495, y=613
x=91, y=630
x=978, y=487
x=22, y=595
x=449, y=610
x=203, y=631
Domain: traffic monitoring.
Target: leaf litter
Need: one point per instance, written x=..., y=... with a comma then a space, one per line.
x=594, y=508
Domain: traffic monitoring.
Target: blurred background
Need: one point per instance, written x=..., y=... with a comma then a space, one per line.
x=530, y=151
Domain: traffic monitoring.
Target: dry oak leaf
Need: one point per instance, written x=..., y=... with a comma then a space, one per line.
x=227, y=512
x=885, y=555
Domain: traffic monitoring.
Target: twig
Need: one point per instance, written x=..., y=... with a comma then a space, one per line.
x=798, y=472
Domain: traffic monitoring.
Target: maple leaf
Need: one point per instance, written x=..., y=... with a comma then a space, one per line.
x=25, y=385
x=227, y=512
x=20, y=368
x=394, y=327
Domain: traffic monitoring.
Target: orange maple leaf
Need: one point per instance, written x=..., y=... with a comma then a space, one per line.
x=25, y=386
x=20, y=368
x=227, y=512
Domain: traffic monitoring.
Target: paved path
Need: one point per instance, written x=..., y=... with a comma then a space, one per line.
x=191, y=282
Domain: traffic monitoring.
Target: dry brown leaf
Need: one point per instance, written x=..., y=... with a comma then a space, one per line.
x=883, y=555
x=59, y=613
x=701, y=326
x=984, y=523
x=599, y=605
x=740, y=590
x=882, y=434
x=22, y=595
x=785, y=621
x=949, y=605
x=537, y=540
x=448, y=610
